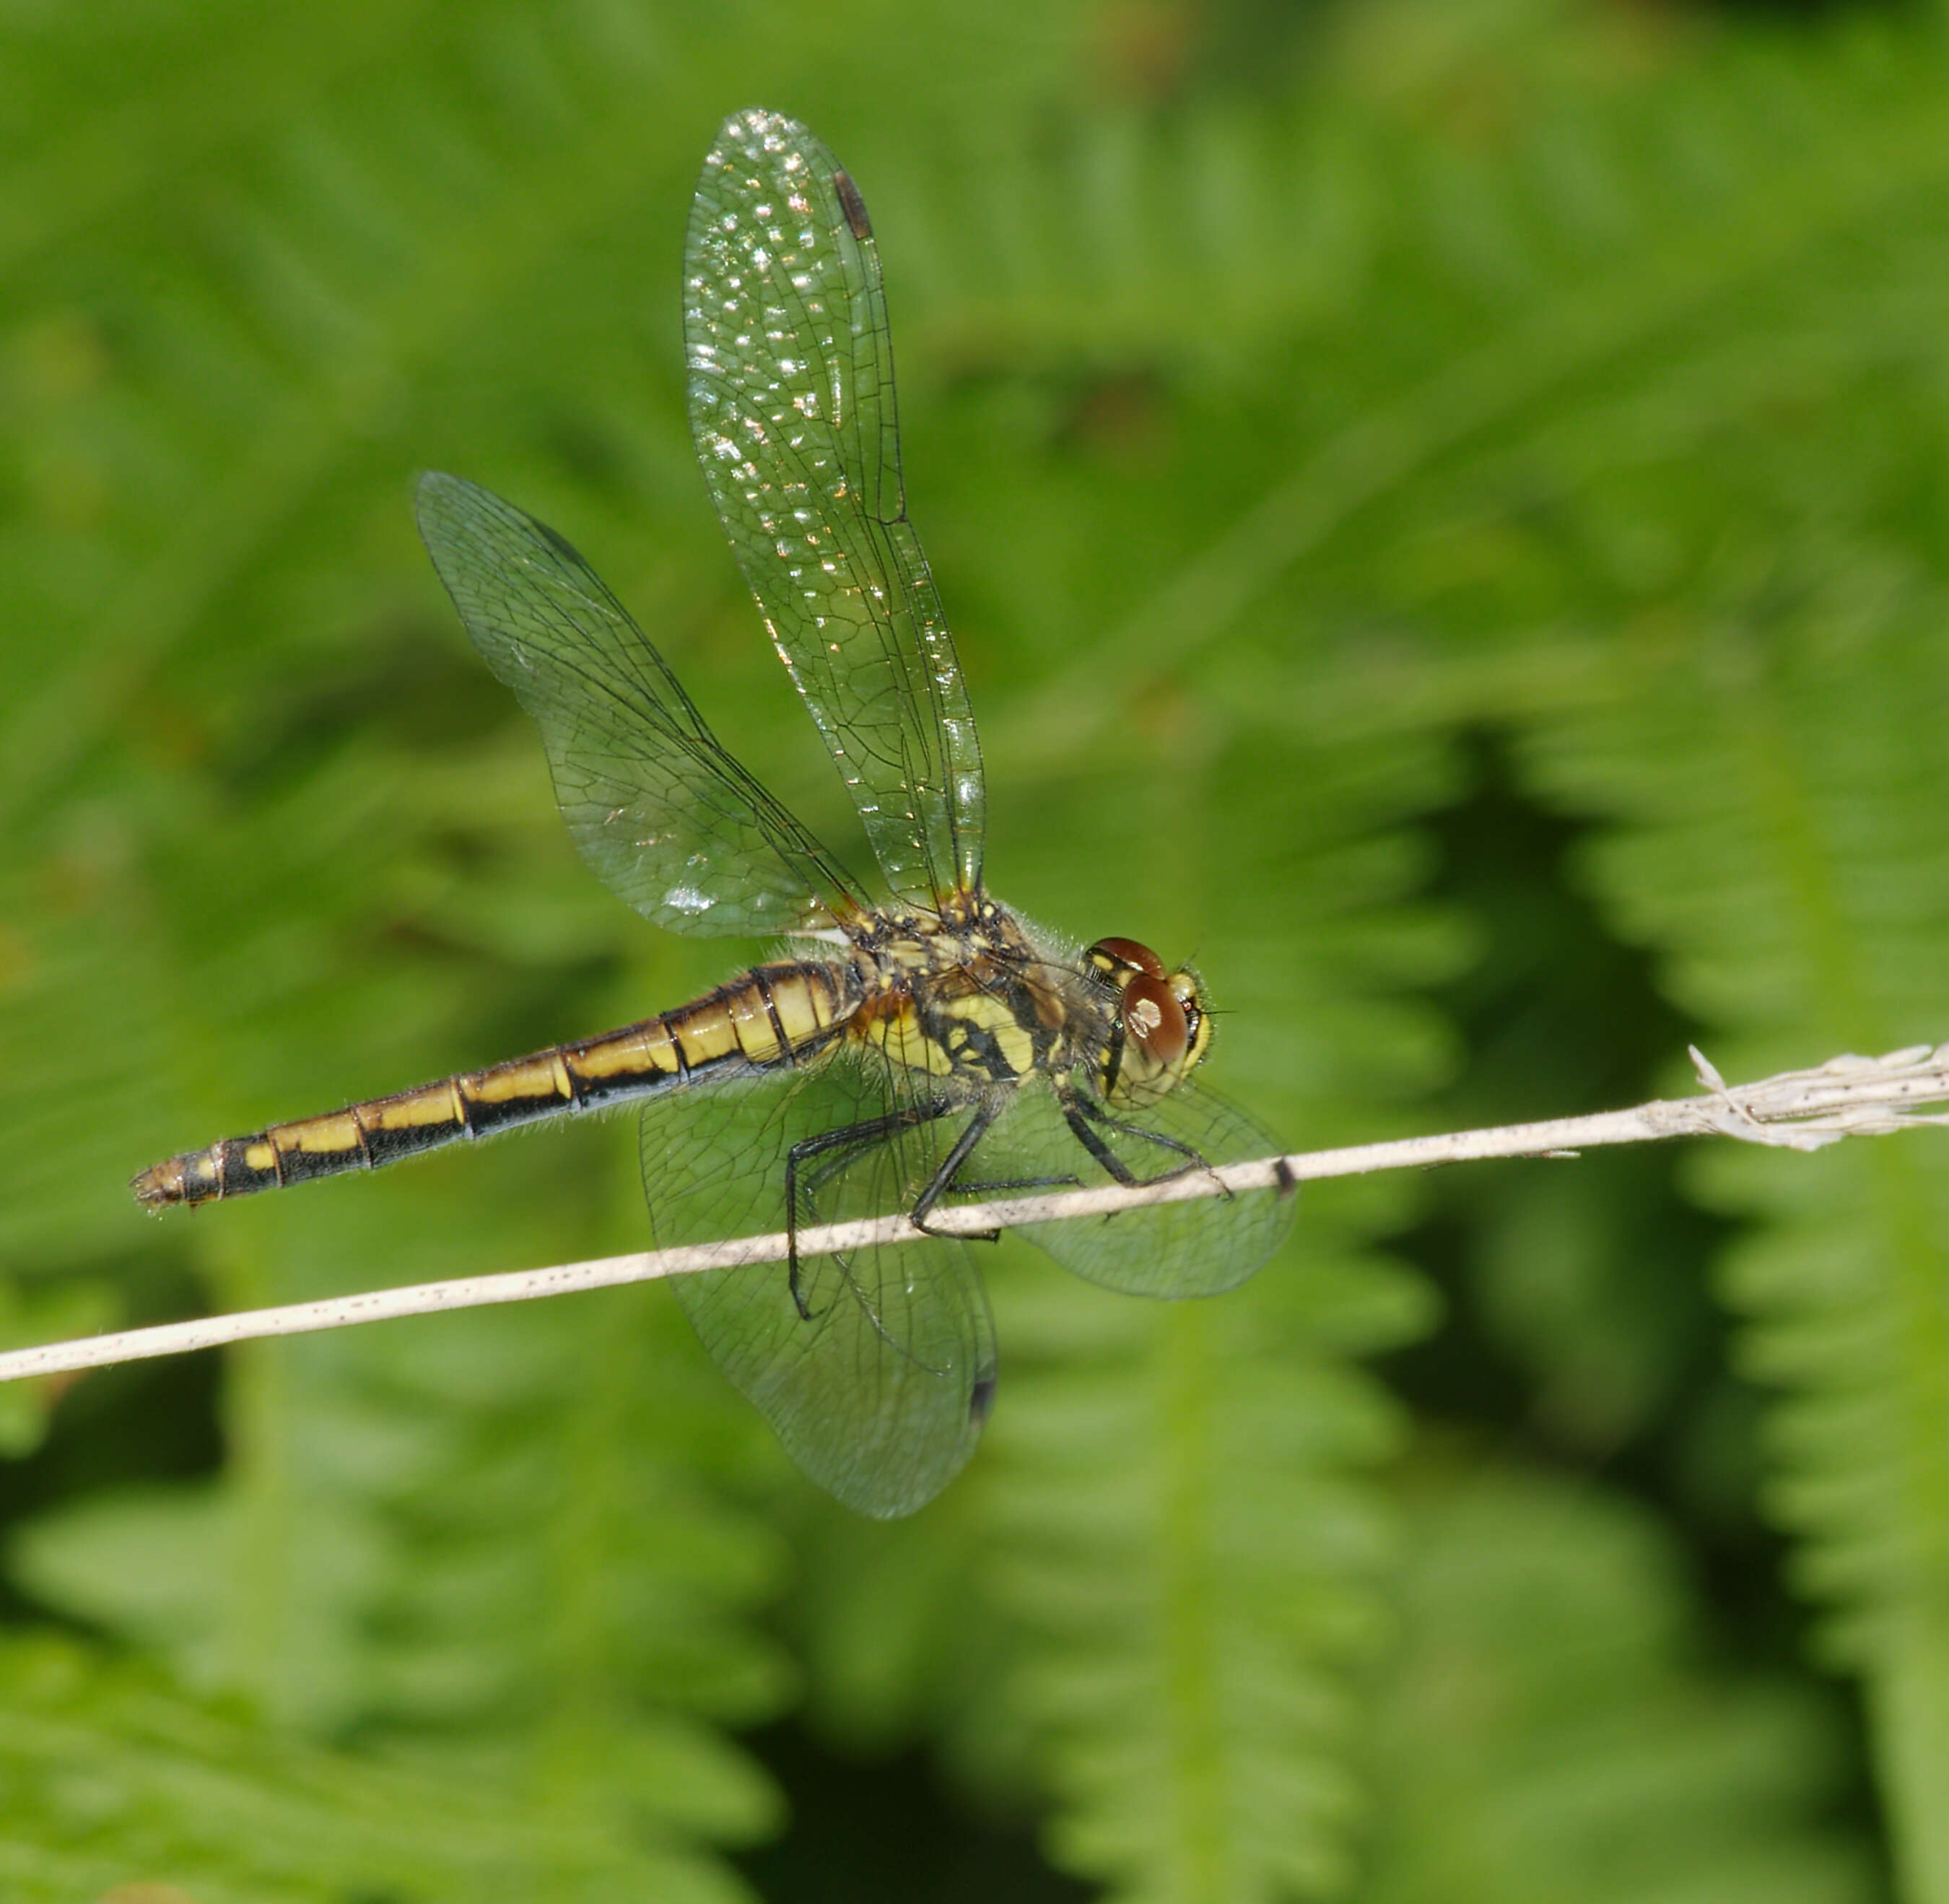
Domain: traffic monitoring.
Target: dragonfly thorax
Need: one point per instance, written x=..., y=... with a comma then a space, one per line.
x=965, y=995
x=970, y=997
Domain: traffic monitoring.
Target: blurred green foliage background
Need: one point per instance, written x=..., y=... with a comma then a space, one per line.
x=1445, y=507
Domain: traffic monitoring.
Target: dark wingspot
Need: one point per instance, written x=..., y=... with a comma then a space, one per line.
x=981, y=1398
x=852, y=205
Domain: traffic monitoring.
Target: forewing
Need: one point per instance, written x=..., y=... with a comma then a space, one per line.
x=879, y=1393
x=791, y=403
x=1198, y=1247
x=668, y=821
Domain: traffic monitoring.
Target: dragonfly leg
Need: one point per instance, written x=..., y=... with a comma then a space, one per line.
x=943, y=1180
x=1086, y=1120
x=837, y=1150
x=994, y=1185
x=840, y=1149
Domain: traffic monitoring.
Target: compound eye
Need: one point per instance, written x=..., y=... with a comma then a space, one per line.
x=1190, y=996
x=1154, y=1025
x=1109, y=957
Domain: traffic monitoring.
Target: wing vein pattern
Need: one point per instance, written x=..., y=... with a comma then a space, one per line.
x=666, y=819
x=792, y=406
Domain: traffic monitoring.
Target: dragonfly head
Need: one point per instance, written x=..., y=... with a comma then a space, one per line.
x=1161, y=1027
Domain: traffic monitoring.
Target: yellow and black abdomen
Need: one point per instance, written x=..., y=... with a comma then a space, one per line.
x=771, y=1015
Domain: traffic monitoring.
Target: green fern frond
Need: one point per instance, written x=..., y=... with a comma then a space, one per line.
x=461, y=1545
x=1777, y=838
x=1546, y=1731
x=1746, y=509
x=109, y=1778
x=1174, y=1532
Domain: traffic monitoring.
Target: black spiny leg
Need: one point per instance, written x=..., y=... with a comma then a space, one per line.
x=978, y=1128
x=990, y=1187
x=850, y=1141
x=1085, y=1119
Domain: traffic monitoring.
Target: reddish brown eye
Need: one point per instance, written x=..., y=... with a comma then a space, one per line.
x=1160, y=1029
x=1154, y=1021
x=1184, y=989
x=1108, y=955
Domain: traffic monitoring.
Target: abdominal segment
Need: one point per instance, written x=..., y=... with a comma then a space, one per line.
x=771, y=1015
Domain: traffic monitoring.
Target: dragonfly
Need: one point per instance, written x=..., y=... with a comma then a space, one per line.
x=909, y=1053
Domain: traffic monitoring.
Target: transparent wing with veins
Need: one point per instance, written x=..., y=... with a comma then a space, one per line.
x=791, y=404
x=877, y=1372
x=666, y=819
